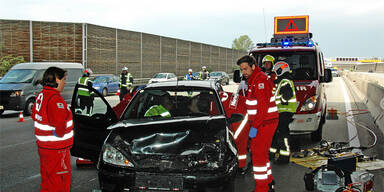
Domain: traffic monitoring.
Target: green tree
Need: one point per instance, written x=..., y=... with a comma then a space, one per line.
x=243, y=43
x=7, y=62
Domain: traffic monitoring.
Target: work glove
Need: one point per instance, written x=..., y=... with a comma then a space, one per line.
x=252, y=132
x=54, y=133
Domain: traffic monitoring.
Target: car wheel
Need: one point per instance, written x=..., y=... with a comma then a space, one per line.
x=105, y=92
x=1, y=111
x=28, y=106
x=318, y=134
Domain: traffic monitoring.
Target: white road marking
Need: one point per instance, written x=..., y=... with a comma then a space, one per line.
x=13, y=145
x=352, y=132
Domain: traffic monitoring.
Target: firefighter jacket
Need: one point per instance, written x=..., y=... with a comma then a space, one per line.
x=204, y=75
x=126, y=80
x=86, y=81
x=52, y=120
x=260, y=101
x=157, y=110
x=286, y=96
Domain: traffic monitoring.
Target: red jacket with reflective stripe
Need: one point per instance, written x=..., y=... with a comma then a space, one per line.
x=51, y=113
x=260, y=101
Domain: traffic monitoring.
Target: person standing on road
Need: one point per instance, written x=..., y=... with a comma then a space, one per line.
x=85, y=96
x=286, y=105
x=189, y=75
x=204, y=74
x=126, y=81
x=263, y=116
x=53, y=129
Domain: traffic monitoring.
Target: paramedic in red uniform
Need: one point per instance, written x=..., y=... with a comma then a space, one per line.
x=263, y=116
x=53, y=130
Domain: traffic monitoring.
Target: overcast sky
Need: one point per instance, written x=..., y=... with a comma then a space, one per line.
x=341, y=27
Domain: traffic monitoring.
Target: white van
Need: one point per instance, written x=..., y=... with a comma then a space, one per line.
x=19, y=86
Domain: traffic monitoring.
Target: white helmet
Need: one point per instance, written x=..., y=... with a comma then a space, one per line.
x=280, y=68
x=124, y=69
x=189, y=70
x=204, y=67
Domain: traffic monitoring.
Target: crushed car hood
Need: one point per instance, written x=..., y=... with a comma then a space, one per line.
x=177, y=137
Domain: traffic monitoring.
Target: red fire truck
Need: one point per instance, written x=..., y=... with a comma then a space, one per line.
x=293, y=44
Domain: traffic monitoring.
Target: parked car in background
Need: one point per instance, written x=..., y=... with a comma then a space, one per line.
x=335, y=72
x=19, y=86
x=219, y=76
x=161, y=77
x=196, y=75
x=106, y=83
x=188, y=149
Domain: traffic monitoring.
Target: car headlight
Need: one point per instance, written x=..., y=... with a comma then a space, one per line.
x=96, y=87
x=16, y=93
x=309, y=104
x=113, y=156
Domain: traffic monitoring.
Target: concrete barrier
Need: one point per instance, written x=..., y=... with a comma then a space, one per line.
x=370, y=89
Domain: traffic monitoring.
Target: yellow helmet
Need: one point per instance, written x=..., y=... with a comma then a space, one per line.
x=268, y=58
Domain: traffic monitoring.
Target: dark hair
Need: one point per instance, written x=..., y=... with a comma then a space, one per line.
x=247, y=59
x=49, y=77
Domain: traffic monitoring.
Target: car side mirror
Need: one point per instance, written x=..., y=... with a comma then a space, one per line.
x=236, y=76
x=236, y=117
x=327, y=76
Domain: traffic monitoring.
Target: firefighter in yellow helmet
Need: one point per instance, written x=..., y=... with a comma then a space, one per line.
x=267, y=65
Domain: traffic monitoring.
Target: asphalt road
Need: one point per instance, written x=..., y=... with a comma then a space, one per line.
x=19, y=161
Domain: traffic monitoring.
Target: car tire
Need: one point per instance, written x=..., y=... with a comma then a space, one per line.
x=318, y=134
x=105, y=92
x=28, y=106
x=2, y=111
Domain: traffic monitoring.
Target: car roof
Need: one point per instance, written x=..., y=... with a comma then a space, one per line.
x=103, y=75
x=195, y=83
x=285, y=49
x=45, y=65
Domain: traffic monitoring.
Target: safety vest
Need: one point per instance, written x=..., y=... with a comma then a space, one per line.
x=50, y=104
x=126, y=81
x=157, y=110
x=292, y=102
x=84, y=91
x=204, y=75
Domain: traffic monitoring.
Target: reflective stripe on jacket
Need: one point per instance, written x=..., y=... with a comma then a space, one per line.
x=260, y=101
x=51, y=114
x=125, y=80
x=291, y=104
x=83, y=91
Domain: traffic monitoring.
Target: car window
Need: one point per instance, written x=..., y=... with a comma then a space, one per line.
x=179, y=103
x=88, y=106
x=73, y=75
x=100, y=79
x=19, y=76
x=160, y=75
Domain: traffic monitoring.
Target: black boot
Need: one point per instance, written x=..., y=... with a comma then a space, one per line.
x=271, y=186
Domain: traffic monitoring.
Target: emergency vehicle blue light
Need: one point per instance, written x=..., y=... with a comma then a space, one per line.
x=310, y=43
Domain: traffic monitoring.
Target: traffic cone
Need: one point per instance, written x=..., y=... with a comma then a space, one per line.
x=21, y=117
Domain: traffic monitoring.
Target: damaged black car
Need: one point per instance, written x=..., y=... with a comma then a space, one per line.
x=172, y=136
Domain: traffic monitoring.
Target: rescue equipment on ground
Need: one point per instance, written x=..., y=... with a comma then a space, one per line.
x=81, y=161
x=21, y=117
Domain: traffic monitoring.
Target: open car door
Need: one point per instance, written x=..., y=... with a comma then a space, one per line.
x=91, y=116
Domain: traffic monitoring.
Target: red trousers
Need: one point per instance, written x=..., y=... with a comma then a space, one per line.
x=260, y=155
x=241, y=133
x=55, y=170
